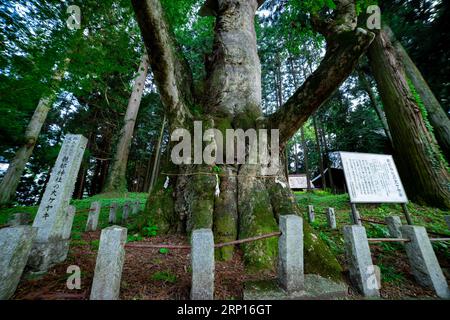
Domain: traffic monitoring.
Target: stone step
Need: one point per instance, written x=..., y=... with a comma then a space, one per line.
x=315, y=288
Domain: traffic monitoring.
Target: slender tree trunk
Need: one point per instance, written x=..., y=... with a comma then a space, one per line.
x=319, y=153
x=148, y=171
x=422, y=168
x=373, y=100
x=117, y=176
x=79, y=185
x=279, y=81
x=305, y=159
x=11, y=179
x=157, y=156
x=295, y=156
x=327, y=159
x=95, y=178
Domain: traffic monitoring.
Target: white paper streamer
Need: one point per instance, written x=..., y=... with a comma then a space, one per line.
x=281, y=183
x=217, y=193
x=166, y=183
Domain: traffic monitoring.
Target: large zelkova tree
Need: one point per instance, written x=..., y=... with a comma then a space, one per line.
x=422, y=166
x=116, y=181
x=249, y=203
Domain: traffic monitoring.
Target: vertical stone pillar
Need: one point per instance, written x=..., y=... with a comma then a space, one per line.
x=136, y=207
x=15, y=244
x=422, y=259
x=394, y=225
x=50, y=245
x=109, y=265
x=67, y=230
x=362, y=270
x=447, y=220
x=126, y=212
x=94, y=213
x=290, y=253
x=112, y=213
x=331, y=218
x=202, y=261
x=311, y=213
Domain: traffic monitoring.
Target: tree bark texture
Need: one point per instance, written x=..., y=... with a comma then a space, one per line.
x=117, y=176
x=422, y=167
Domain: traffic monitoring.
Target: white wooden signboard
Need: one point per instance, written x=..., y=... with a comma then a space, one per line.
x=372, y=178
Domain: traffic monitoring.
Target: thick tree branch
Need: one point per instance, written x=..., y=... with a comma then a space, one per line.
x=171, y=72
x=340, y=60
x=345, y=45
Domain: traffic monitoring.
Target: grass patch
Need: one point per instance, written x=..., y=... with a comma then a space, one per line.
x=164, y=276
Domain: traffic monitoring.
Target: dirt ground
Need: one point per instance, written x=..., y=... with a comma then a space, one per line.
x=150, y=274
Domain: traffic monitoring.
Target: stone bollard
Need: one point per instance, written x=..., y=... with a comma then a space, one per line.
x=290, y=253
x=112, y=213
x=136, y=207
x=331, y=218
x=126, y=212
x=109, y=265
x=67, y=232
x=46, y=254
x=422, y=259
x=394, y=225
x=202, y=261
x=362, y=270
x=94, y=214
x=311, y=214
x=15, y=244
x=447, y=220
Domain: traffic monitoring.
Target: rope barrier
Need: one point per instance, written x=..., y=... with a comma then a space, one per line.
x=373, y=221
x=221, y=175
x=265, y=236
x=439, y=239
x=378, y=240
x=218, y=245
x=384, y=223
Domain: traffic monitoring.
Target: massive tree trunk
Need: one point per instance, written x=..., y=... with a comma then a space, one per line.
x=117, y=176
x=421, y=165
x=249, y=202
x=436, y=114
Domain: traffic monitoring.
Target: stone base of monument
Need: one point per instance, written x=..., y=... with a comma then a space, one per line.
x=316, y=288
x=45, y=255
